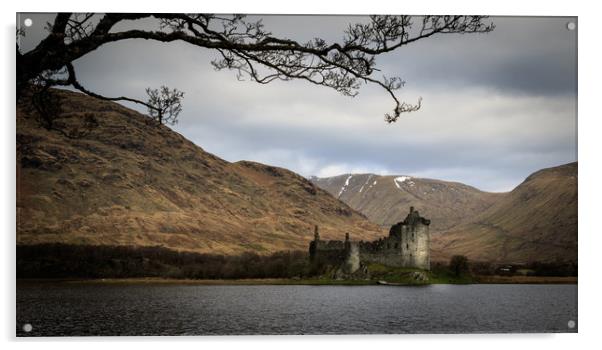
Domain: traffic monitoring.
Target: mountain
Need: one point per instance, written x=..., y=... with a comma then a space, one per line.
x=132, y=182
x=537, y=221
x=386, y=199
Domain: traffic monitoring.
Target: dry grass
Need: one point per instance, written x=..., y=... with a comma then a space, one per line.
x=537, y=221
x=131, y=182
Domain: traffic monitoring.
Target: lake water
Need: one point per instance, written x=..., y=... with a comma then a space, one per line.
x=137, y=309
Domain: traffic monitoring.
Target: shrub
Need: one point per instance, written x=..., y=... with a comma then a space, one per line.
x=459, y=265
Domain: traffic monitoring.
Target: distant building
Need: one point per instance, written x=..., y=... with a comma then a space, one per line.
x=408, y=245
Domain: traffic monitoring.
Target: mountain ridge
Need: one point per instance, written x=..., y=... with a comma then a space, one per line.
x=383, y=198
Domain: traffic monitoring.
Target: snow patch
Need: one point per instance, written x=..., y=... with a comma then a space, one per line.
x=401, y=179
x=368, y=180
x=345, y=186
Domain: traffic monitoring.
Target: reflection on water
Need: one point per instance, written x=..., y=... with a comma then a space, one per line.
x=90, y=309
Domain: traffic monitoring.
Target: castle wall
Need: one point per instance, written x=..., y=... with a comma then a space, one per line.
x=352, y=261
x=408, y=245
x=386, y=259
x=385, y=251
x=415, y=242
x=331, y=251
x=422, y=252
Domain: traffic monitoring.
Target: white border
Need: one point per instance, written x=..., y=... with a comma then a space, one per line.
x=589, y=174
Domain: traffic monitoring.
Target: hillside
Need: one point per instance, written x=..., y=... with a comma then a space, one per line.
x=132, y=182
x=536, y=221
x=386, y=199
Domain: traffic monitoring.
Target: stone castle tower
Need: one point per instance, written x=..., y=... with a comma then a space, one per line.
x=408, y=245
x=414, y=239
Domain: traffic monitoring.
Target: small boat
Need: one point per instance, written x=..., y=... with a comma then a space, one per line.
x=385, y=283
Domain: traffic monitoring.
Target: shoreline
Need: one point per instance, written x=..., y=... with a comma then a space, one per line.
x=527, y=279
x=285, y=281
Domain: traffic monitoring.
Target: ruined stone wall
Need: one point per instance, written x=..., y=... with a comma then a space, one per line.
x=385, y=251
x=331, y=251
x=387, y=259
x=408, y=245
x=352, y=260
x=422, y=253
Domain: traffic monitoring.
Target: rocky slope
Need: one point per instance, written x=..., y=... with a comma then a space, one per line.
x=537, y=221
x=385, y=199
x=131, y=182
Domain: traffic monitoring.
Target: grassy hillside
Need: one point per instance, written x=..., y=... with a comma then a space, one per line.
x=537, y=221
x=132, y=182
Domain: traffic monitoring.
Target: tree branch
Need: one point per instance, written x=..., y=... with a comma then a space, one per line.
x=250, y=50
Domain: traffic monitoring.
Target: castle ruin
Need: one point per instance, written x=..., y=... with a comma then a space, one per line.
x=408, y=245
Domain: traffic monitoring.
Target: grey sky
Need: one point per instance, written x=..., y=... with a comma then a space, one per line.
x=496, y=107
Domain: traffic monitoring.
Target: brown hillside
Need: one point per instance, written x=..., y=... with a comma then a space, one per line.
x=537, y=221
x=131, y=182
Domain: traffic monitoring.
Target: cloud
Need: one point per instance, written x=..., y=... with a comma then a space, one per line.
x=496, y=107
x=523, y=55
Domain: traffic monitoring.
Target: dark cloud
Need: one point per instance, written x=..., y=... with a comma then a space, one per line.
x=524, y=55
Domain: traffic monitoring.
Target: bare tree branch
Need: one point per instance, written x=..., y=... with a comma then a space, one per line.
x=251, y=51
